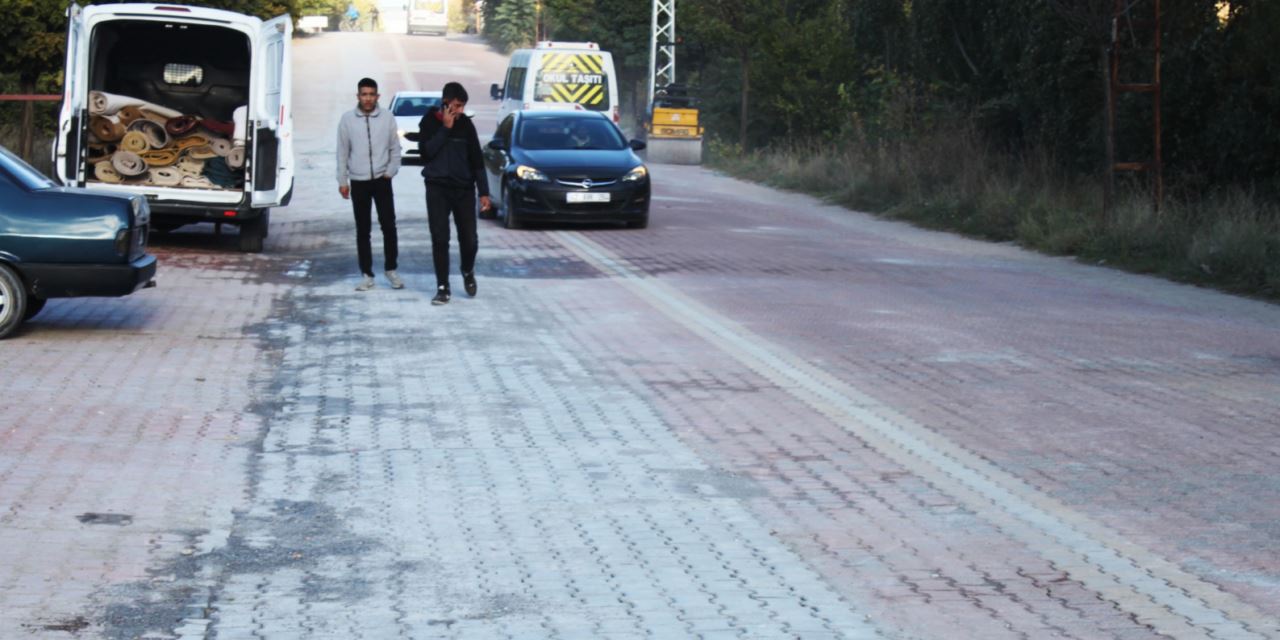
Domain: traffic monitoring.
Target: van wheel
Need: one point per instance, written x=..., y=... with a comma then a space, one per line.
x=252, y=233
x=13, y=301
x=508, y=212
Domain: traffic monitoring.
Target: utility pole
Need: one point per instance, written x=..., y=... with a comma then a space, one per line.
x=662, y=50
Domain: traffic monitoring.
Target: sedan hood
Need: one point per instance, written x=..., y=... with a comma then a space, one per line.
x=582, y=161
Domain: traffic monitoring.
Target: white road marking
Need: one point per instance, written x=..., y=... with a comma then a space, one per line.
x=1156, y=591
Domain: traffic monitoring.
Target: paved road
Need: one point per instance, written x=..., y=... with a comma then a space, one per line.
x=763, y=417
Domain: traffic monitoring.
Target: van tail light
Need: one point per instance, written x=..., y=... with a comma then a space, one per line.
x=527, y=105
x=617, y=118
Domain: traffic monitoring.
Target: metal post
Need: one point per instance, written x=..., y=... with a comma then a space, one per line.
x=662, y=51
x=1122, y=14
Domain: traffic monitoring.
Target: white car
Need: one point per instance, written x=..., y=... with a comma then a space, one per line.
x=408, y=107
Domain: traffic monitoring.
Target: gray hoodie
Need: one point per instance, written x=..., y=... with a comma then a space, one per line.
x=368, y=145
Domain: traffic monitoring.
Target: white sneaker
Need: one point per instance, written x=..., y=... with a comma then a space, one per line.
x=394, y=279
x=365, y=284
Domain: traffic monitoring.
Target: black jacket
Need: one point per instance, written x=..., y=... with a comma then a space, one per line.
x=452, y=155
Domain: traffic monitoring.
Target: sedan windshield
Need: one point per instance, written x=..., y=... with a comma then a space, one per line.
x=23, y=173
x=568, y=132
x=415, y=106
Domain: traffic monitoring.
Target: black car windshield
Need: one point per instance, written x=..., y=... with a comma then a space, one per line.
x=415, y=106
x=23, y=173
x=569, y=132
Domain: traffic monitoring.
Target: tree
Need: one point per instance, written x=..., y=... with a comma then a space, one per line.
x=34, y=37
x=742, y=29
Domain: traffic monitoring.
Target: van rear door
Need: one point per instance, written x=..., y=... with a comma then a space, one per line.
x=68, y=147
x=272, y=115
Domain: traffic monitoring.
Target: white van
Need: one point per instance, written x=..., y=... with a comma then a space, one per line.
x=428, y=16
x=559, y=75
x=210, y=93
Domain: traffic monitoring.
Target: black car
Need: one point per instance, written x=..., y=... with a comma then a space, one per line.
x=568, y=166
x=62, y=242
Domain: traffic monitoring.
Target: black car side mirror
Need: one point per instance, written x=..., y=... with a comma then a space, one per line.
x=637, y=145
x=495, y=91
x=497, y=145
x=411, y=136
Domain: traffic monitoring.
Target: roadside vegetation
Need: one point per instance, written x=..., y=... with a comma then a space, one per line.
x=982, y=118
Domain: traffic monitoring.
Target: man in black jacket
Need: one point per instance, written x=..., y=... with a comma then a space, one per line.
x=454, y=172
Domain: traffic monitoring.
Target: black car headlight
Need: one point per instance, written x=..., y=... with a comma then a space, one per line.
x=636, y=175
x=527, y=173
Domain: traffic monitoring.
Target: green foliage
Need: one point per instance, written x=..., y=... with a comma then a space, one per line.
x=512, y=24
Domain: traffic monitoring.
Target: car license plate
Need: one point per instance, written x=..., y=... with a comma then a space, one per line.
x=574, y=197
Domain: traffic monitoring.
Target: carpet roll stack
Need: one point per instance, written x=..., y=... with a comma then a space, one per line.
x=135, y=142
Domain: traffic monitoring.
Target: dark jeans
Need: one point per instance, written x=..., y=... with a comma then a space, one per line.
x=364, y=194
x=441, y=201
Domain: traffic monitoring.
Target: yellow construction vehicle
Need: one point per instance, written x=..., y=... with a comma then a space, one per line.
x=674, y=132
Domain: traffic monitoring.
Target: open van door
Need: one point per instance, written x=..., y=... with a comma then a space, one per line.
x=271, y=114
x=68, y=148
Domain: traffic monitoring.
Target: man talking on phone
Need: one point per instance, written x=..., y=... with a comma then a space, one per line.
x=454, y=173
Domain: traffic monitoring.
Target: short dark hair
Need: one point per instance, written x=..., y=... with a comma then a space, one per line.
x=367, y=82
x=453, y=91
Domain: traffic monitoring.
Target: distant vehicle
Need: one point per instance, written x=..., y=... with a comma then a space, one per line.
x=559, y=75
x=199, y=74
x=569, y=166
x=63, y=242
x=429, y=16
x=408, y=107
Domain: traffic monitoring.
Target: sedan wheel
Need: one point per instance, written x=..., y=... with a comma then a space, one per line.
x=13, y=301
x=508, y=212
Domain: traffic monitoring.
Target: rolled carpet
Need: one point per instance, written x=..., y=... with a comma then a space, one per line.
x=235, y=159
x=226, y=129
x=191, y=166
x=134, y=141
x=102, y=103
x=217, y=171
x=159, y=157
x=106, y=129
x=105, y=172
x=100, y=152
x=129, y=114
x=157, y=137
x=182, y=144
x=128, y=164
x=239, y=117
x=202, y=152
x=220, y=146
x=166, y=177
x=181, y=125
x=195, y=182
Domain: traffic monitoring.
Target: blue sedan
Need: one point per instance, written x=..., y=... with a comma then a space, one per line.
x=63, y=242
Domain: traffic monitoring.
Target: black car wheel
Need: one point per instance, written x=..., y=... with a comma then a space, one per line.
x=13, y=301
x=34, y=306
x=508, y=211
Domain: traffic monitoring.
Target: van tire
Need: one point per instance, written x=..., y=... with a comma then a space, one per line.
x=253, y=232
x=13, y=301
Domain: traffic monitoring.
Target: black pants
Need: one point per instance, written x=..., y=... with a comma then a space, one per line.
x=441, y=201
x=364, y=194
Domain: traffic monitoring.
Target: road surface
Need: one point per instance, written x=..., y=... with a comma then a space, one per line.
x=762, y=417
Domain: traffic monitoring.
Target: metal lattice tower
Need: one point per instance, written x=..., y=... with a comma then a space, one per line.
x=662, y=51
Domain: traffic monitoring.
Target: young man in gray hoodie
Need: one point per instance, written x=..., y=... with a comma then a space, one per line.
x=368, y=158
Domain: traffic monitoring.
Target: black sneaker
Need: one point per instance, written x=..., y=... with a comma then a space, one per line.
x=469, y=283
x=442, y=296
